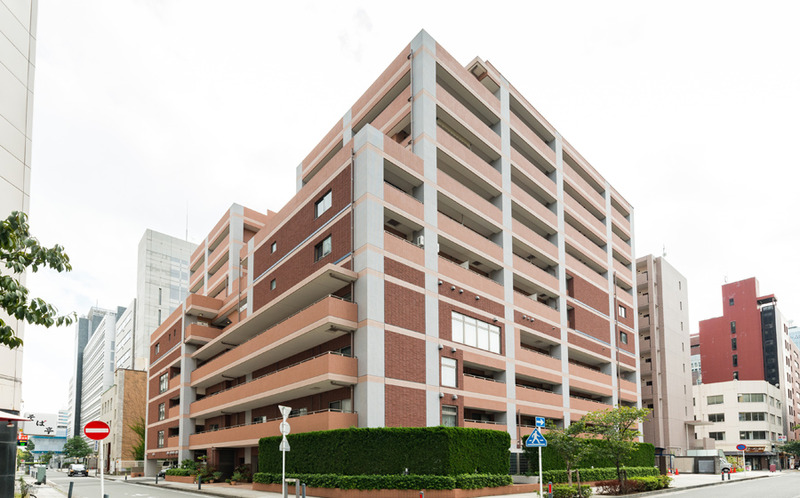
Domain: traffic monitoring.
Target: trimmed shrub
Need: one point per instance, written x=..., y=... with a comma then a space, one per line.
x=180, y=472
x=567, y=491
x=634, y=485
x=644, y=456
x=474, y=481
x=440, y=451
x=601, y=474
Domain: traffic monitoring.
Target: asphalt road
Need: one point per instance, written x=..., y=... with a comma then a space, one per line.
x=785, y=485
x=89, y=487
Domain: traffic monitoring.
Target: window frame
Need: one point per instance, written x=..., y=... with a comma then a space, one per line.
x=163, y=383
x=452, y=412
x=162, y=411
x=449, y=365
x=160, y=439
x=323, y=204
x=319, y=249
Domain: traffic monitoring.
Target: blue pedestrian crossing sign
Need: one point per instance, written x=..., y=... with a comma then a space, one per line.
x=539, y=421
x=535, y=440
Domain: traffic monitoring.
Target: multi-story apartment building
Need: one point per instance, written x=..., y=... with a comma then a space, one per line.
x=695, y=359
x=17, y=67
x=750, y=342
x=794, y=334
x=448, y=258
x=664, y=345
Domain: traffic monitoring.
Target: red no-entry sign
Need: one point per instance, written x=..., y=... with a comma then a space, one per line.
x=96, y=430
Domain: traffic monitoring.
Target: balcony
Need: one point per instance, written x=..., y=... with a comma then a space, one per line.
x=621, y=223
x=534, y=241
x=321, y=283
x=588, y=380
x=532, y=139
x=469, y=238
x=470, y=121
x=478, y=424
x=643, y=301
x=532, y=208
x=628, y=390
x=401, y=202
x=326, y=372
x=538, y=366
x=582, y=187
x=481, y=385
x=536, y=274
x=586, y=247
x=197, y=305
x=534, y=308
x=249, y=434
x=538, y=402
x=533, y=174
x=641, y=280
x=173, y=442
x=403, y=248
x=586, y=272
x=467, y=197
x=321, y=322
x=466, y=157
x=460, y=275
x=173, y=411
x=582, y=406
x=647, y=392
x=582, y=216
x=198, y=333
x=621, y=246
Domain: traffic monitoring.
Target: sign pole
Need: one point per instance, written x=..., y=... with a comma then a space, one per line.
x=541, y=483
x=102, y=483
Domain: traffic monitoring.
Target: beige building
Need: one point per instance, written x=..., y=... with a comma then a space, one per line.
x=664, y=346
x=122, y=406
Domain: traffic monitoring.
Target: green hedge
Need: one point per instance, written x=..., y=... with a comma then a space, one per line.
x=644, y=456
x=601, y=474
x=181, y=472
x=472, y=481
x=634, y=485
x=441, y=451
x=567, y=491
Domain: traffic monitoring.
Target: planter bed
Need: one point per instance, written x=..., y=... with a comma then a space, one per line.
x=403, y=493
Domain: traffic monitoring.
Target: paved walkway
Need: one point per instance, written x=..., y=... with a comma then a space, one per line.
x=681, y=481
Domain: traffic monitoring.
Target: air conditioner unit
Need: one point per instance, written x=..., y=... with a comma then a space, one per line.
x=420, y=240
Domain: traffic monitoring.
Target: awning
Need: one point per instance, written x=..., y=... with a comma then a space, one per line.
x=10, y=416
x=750, y=453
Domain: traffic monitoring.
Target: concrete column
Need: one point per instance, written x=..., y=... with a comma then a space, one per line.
x=562, y=277
x=423, y=135
x=612, y=304
x=368, y=339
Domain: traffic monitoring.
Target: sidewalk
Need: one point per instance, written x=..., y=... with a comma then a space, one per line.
x=42, y=491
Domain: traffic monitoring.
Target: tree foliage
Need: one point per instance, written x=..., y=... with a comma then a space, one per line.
x=77, y=447
x=567, y=444
x=792, y=447
x=19, y=251
x=137, y=450
x=619, y=427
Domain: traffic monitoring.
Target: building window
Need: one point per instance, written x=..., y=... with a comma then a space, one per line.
x=475, y=333
x=717, y=436
x=163, y=383
x=273, y=247
x=159, y=317
x=733, y=327
x=733, y=343
x=160, y=439
x=735, y=375
x=735, y=360
x=342, y=405
x=159, y=296
x=754, y=417
x=752, y=398
x=158, y=347
x=449, y=372
x=730, y=302
x=622, y=312
x=752, y=434
x=322, y=249
x=714, y=400
x=162, y=412
x=623, y=337
x=680, y=304
x=323, y=204
x=449, y=416
x=272, y=284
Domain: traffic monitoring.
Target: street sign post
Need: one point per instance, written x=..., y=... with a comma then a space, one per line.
x=284, y=447
x=742, y=447
x=97, y=431
x=537, y=440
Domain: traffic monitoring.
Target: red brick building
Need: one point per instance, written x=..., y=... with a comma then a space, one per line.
x=448, y=258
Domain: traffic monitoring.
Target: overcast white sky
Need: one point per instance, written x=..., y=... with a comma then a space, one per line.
x=142, y=108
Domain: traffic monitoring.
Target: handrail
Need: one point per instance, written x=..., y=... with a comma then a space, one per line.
x=274, y=372
x=483, y=421
x=483, y=378
x=535, y=388
x=275, y=419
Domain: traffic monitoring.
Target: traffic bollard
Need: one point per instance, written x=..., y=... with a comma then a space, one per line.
x=69, y=495
x=723, y=476
x=304, y=490
x=126, y=477
x=729, y=476
x=156, y=478
x=199, y=481
x=422, y=494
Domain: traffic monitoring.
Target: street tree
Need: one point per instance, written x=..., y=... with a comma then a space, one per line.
x=567, y=443
x=137, y=450
x=792, y=447
x=619, y=428
x=77, y=447
x=19, y=251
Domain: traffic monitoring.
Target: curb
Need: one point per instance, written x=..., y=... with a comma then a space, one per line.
x=706, y=485
x=180, y=488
